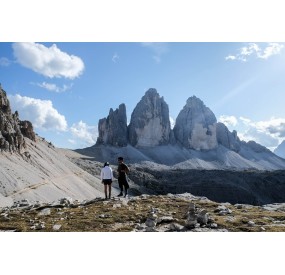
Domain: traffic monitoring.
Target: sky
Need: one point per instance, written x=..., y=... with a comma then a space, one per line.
x=64, y=88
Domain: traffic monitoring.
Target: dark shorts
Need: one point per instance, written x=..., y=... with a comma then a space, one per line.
x=108, y=181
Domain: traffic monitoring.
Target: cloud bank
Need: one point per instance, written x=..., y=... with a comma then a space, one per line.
x=252, y=49
x=41, y=113
x=84, y=133
x=269, y=133
x=50, y=62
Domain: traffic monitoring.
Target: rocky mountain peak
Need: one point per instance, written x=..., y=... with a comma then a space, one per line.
x=113, y=129
x=12, y=129
x=194, y=101
x=150, y=124
x=151, y=92
x=195, y=126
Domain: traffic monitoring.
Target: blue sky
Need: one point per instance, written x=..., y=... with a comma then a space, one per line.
x=65, y=88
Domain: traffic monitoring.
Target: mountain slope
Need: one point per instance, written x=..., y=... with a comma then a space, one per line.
x=43, y=173
x=178, y=157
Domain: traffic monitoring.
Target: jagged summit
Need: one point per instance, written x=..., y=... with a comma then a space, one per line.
x=196, y=126
x=113, y=129
x=12, y=129
x=151, y=92
x=193, y=100
x=150, y=124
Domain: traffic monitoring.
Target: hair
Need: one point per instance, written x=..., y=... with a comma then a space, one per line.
x=106, y=164
x=120, y=158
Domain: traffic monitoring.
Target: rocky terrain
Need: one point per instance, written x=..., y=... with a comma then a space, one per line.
x=248, y=186
x=145, y=213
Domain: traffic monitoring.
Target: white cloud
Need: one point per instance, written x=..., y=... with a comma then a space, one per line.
x=85, y=133
x=272, y=49
x=260, y=137
x=41, y=113
x=53, y=87
x=157, y=48
x=5, y=62
x=172, y=122
x=252, y=49
x=228, y=120
x=115, y=57
x=50, y=62
x=268, y=133
x=230, y=57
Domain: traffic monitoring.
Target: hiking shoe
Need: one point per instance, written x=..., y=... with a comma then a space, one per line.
x=120, y=195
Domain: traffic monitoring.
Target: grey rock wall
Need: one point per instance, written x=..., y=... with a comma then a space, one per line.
x=195, y=126
x=113, y=129
x=150, y=124
x=12, y=129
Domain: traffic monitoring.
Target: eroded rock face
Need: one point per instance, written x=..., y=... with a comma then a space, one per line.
x=113, y=129
x=12, y=130
x=195, y=126
x=150, y=125
x=226, y=138
x=257, y=148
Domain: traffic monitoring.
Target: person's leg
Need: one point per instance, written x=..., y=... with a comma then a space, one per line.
x=121, y=187
x=110, y=185
x=126, y=186
x=105, y=190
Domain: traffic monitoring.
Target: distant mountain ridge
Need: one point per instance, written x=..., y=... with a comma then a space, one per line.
x=280, y=150
x=197, y=140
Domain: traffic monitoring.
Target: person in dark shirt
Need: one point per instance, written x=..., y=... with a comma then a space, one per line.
x=123, y=169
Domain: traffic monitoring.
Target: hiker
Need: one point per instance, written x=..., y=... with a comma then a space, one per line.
x=123, y=169
x=107, y=178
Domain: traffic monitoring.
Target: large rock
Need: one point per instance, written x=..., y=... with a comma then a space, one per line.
x=195, y=126
x=150, y=125
x=113, y=129
x=12, y=130
x=226, y=138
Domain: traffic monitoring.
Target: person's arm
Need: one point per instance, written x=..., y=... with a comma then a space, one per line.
x=102, y=175
x=112, y=178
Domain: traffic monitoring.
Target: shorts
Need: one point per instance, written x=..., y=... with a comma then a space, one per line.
x=107, y=181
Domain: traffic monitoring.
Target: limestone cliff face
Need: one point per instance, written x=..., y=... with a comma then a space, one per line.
x=195, y=126
x=226, y=138
x=150, y=125
x=113, y=129
x=12, y=130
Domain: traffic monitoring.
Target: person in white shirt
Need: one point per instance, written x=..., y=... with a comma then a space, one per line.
x=107, y=179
